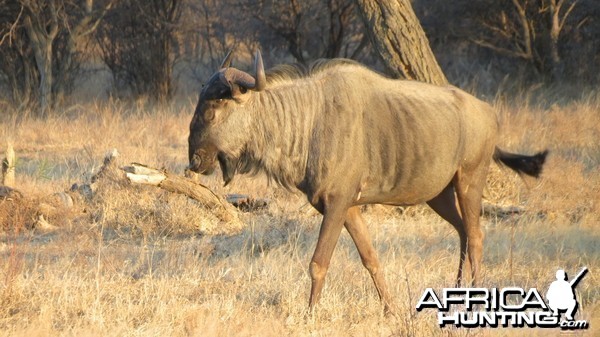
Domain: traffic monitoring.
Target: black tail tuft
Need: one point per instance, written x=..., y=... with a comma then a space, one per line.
x=530, y=165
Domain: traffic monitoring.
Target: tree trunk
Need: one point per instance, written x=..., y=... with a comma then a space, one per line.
x=557, y=21
x=43, y=58
x=164, y=89
x=400, y=40
x=25, y=83
x=42, y=38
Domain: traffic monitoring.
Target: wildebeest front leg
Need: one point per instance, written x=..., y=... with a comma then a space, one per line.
x=331, y=227
x=360, y=235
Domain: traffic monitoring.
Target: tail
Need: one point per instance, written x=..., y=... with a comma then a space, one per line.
x=530, y=165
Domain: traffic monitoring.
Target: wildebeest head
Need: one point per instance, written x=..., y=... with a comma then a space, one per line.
x=219, y=128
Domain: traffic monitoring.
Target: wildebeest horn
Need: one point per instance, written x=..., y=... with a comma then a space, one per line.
x=240, y=78
x=259, y=68
x=227, y=61
x=246, y=80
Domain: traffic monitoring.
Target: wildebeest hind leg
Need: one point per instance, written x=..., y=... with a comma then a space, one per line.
x=469, y=189
x=444, y=204
x=360, y=235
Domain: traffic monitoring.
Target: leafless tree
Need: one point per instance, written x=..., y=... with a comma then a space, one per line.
x=137, y=45
x=309, y=29
x=208, y=35
x=524, y=41
x=18, y=68
x=44, y=44
x=529, y=30
x=80, y=21
x=49, y=33
x=41, y=22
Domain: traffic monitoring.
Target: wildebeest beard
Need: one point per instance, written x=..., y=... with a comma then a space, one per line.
x=231, y=165
x=228, y=167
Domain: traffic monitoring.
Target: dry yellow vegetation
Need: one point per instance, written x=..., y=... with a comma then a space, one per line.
x=137, y=261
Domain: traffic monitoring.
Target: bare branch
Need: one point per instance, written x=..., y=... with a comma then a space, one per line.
x=564, y=17
x=88, y=23
x=505, y=51
x=12, y=28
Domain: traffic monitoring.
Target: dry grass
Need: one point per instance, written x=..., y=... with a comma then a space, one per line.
x=140, y=262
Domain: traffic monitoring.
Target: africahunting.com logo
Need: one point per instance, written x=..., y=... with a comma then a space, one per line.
x=507, y=307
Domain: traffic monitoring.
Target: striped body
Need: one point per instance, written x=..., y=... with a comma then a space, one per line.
x=347, y=130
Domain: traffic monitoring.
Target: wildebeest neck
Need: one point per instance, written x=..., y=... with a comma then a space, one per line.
x=284, y=118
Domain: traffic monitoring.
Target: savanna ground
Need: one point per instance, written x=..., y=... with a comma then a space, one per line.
x=138, y=261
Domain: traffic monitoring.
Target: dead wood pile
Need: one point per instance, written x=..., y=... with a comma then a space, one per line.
x=56, y=204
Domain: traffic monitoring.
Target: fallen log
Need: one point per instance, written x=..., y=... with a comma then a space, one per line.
x=140, y=174
x=43, y=212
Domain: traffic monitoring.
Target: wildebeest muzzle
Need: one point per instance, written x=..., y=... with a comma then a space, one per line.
x=203, y=160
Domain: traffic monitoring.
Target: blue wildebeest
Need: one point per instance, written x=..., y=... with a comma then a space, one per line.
x=346, y=136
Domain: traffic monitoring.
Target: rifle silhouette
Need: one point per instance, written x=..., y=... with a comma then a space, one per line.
x=578, y=278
